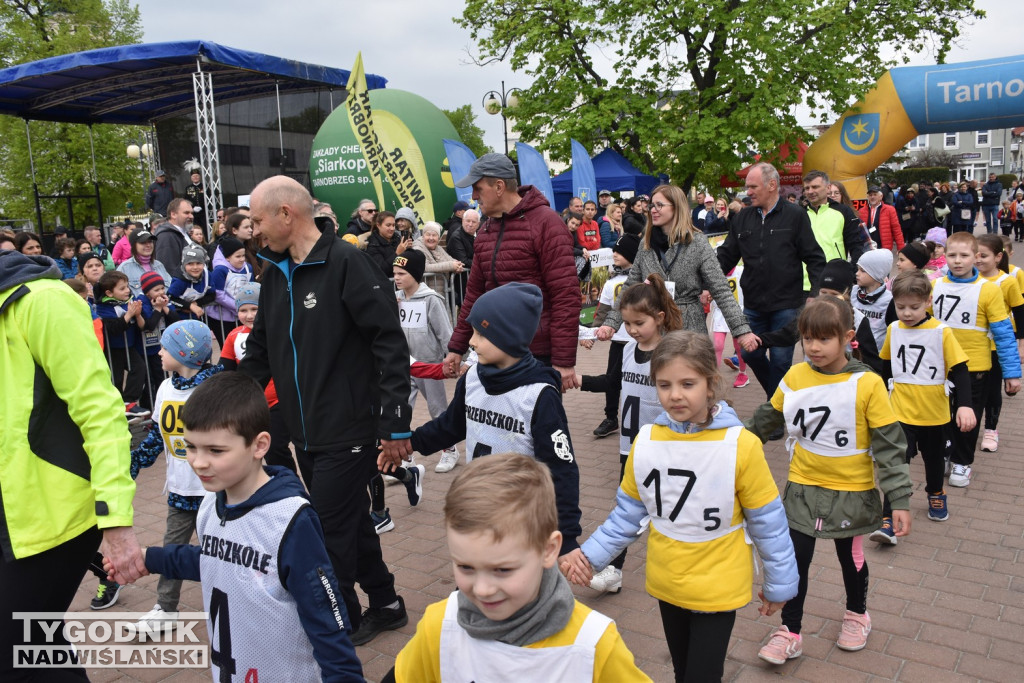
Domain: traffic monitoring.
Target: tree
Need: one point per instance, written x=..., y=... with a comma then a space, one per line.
x=471, y=134
x=37, y=29
x=692, y=87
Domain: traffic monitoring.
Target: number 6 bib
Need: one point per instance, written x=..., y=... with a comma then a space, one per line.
x=820, y=417
x=688, y=487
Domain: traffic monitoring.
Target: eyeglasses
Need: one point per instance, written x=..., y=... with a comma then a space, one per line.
x=369, y=210
x=660, y=206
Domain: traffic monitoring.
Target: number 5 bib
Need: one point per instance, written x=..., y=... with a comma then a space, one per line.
x=688, y=487
x=821, y=417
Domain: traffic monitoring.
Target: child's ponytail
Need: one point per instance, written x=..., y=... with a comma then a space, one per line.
x=651, y=297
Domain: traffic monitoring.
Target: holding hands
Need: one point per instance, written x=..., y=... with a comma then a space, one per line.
x=575, y=567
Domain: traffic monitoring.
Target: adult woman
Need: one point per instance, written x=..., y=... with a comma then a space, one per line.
x=406, y=223
x=385, y=243
x=717, y=219
x=240, y=227
x=963, y=206
x=142, y=261
x=908, y=210
x=439, y=261
x=198, y=235
x=674, y=249
x=633, y=219
x=610, y=225
x=82, y=247
x=90, y=268
x=28, y=243
x=215, y=234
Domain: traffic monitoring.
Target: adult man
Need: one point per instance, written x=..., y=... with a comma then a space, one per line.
x=604, y=198
x=889, y=191
x=172, y=237
x=160, y=194
x=523, y=240
x=64, y=474
x=95, y=238
x=836, y=226
x=698, y=206
x=329, y=323
x=220, y=216
x=460, y=245
x=576, y=205
x=195, y=195
x=458, y=213
x=991, y=193
x=882, y=220
x=362, y=218
x=117, y=231
x=773, y=237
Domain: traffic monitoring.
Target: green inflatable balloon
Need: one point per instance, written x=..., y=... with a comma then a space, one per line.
x=403, y=121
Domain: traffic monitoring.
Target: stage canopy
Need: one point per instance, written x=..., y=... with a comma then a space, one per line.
x=613, y=173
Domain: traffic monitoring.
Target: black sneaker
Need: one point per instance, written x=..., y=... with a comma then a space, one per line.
x=414, y=487
x=376, y=620
x=606, y=428
x=106, y=594
x=777, y=434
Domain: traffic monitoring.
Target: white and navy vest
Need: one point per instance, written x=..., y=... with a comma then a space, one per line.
x=167, y=407
x=638, y=400
x=253, y=621
x=499, y=424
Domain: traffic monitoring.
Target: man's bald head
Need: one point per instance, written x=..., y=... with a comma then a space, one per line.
x=280, y=190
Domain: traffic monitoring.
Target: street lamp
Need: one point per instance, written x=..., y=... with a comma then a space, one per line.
x=144, y=153
x=495, y=102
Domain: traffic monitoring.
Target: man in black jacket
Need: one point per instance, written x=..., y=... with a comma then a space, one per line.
x=774, y=239
x=460, y=246
x=173, y=236
x=159, y=194
x=328, y=331
x=991, y=193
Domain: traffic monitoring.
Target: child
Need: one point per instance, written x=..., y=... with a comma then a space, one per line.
x=509, y=401
x=1006, y=216
x=924, y=353
x=839, y=420
x=157, y=313
x=120, y=315
x=185, y=353
x=192, y=292
x=936, y=266
x=720, y=328
x=975, y=309
x=427, y=326
x=705, y=484
x=90, y=269
x=1018, y=216
x=837, y=279
x=513, y=616
x=994, y=264
x=873, y=300
x=274, y=612
x=913, y=256
x=64, y=251
x=648, y=313
x=228, y=277
x=623, y=255
x=1014, y=270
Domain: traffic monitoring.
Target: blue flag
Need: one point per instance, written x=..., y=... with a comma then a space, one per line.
x=584, y=184
x=460, y=158
x=533, y=170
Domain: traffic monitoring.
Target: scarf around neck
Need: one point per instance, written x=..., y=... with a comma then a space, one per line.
x=542, y=618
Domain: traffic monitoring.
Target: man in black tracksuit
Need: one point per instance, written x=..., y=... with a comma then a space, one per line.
x=328, y=333
x=774, y=238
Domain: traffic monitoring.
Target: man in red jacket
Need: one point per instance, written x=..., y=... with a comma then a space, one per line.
x=882, y=221
x=521, y=240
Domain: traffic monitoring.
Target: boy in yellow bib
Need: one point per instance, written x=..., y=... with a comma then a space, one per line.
x=514, y=617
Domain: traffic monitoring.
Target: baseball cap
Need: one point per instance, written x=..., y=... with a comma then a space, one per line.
x=159, y=172
x=491, y=165
x=140, y=236
x=603, y=193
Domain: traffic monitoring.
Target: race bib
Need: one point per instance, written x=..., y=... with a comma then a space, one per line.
x=822, y=417
x=412, y=314
x=917, y=356
x=956, y=304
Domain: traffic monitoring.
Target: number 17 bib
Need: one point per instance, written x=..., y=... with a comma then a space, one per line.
x=822, y=417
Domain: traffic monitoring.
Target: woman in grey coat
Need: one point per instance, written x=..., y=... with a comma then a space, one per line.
x=682, y=255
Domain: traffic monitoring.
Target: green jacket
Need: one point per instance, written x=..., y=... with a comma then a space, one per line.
x=64, y=440
x=826, y=513
x=828, y=224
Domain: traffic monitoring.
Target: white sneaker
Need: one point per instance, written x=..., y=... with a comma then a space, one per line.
x=608, y=580
x=960, y=475
x=157, y=620
x=449, y=459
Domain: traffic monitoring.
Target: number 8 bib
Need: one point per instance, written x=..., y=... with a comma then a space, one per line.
x=821, y=417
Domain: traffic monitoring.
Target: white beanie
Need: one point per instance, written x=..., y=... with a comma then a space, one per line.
x=877, y=263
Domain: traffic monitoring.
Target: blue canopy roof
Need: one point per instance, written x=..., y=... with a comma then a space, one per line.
x=613, y=172
x=138, y=84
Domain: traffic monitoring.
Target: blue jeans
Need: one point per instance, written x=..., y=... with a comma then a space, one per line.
x=991, y=219
x=769, y=367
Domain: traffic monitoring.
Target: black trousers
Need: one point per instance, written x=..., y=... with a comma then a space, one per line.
x=611, y=397
x=930, y=442
x=129, y=372
x=42, y=583
x=965, y=442
x=855, y=576
x=697, y=642
x=279, y=453
x=994, y=399
x=338, y=492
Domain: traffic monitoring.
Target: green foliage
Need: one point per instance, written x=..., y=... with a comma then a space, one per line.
x=37, y=29
x=908, y=176
x=471, y=134
x=696, y=86
x=1006, y=179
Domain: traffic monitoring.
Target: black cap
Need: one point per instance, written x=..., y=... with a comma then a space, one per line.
x=874, y=188
x=140, y=236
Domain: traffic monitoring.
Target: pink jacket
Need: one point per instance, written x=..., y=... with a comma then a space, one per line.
x=122, y=251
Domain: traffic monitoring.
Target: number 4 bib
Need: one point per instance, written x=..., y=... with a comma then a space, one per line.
x=820, y=417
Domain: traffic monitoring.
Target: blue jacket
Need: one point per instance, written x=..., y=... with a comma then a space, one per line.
x=119, y=334
x=68, y=267
x=304, y=568
x=184, y=291
x=962, y=200
x=608, y=236
x=767, y=526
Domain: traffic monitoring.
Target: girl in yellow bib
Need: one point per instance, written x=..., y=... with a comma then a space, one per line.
x=838, y=417
x=703, y=481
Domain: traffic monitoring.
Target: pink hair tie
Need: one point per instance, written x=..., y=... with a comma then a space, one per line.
x=647, y=282
x=854, y=344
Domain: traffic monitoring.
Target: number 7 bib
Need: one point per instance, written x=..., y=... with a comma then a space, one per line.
x=821, y=417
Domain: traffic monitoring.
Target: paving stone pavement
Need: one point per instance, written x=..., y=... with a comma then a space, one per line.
x=947, y=603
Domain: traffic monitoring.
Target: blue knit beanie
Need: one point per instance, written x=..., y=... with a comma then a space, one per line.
x=189, y=341
x=508, y=317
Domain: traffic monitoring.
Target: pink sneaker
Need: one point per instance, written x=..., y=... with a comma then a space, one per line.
x=854, y=635
x=990, y=441
x=781, y=646
x=741, y=381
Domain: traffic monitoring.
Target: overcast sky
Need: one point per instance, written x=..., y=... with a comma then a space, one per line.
x=417, y=47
